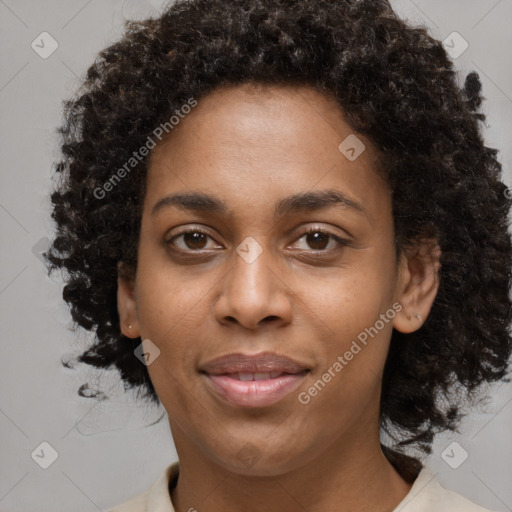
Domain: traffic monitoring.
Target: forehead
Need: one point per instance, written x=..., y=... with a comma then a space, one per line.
x=275, y=139
x=257, y=113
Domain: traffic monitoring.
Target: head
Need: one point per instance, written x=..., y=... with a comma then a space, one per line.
x=287, y=188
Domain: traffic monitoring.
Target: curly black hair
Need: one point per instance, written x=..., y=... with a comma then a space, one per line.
x=396, y=86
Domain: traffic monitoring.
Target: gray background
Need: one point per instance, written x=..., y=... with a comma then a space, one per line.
x=105, y=453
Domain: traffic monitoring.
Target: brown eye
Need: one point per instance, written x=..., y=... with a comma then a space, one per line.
x=191, y=240
x=194, y=240
x=318, y=240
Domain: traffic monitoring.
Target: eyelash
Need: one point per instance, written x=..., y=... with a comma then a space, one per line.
x=340, y=241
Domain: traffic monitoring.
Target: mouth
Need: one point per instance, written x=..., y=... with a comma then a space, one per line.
x=249, y=376
x=254, y=389
x=258, y=380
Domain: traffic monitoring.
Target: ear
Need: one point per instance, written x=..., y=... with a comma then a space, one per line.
x=418, y=283
x=127, y=304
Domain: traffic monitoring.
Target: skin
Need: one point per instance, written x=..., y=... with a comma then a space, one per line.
x=250, y=146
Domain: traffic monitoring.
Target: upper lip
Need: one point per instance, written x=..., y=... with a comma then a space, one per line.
x=263, y=362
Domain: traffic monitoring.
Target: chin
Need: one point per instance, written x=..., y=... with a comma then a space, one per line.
x=251, y=460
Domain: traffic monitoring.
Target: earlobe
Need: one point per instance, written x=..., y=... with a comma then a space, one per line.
x=419, y=283
x=127, y=307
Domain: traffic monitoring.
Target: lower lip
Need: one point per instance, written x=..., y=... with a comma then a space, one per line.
x=254, y=393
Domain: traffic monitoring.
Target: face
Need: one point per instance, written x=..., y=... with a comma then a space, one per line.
x=292, y=253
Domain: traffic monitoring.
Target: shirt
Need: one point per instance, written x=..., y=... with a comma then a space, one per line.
x=425, y=495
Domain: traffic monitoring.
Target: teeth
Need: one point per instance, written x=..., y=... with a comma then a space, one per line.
x=261, y=376
x=255, y=376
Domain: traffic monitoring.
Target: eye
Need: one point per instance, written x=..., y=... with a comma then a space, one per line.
x=318, y=239
x=193, y=239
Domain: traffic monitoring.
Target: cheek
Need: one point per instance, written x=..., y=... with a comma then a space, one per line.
x=348, y=300
x=354, y=307
x=344, y=389
x=168, y=300
x=170, y=314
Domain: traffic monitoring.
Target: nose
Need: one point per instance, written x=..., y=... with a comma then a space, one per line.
x=252, y=293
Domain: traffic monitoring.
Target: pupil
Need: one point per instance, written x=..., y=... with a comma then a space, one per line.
x=194, y=238
x=315, y=235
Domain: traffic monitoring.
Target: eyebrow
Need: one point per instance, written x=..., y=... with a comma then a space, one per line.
x=305, y=201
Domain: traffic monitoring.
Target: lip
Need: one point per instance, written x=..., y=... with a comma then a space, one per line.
x=222, y=378
x=264, y=362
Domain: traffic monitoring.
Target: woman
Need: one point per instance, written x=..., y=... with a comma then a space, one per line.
x=270, y=212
